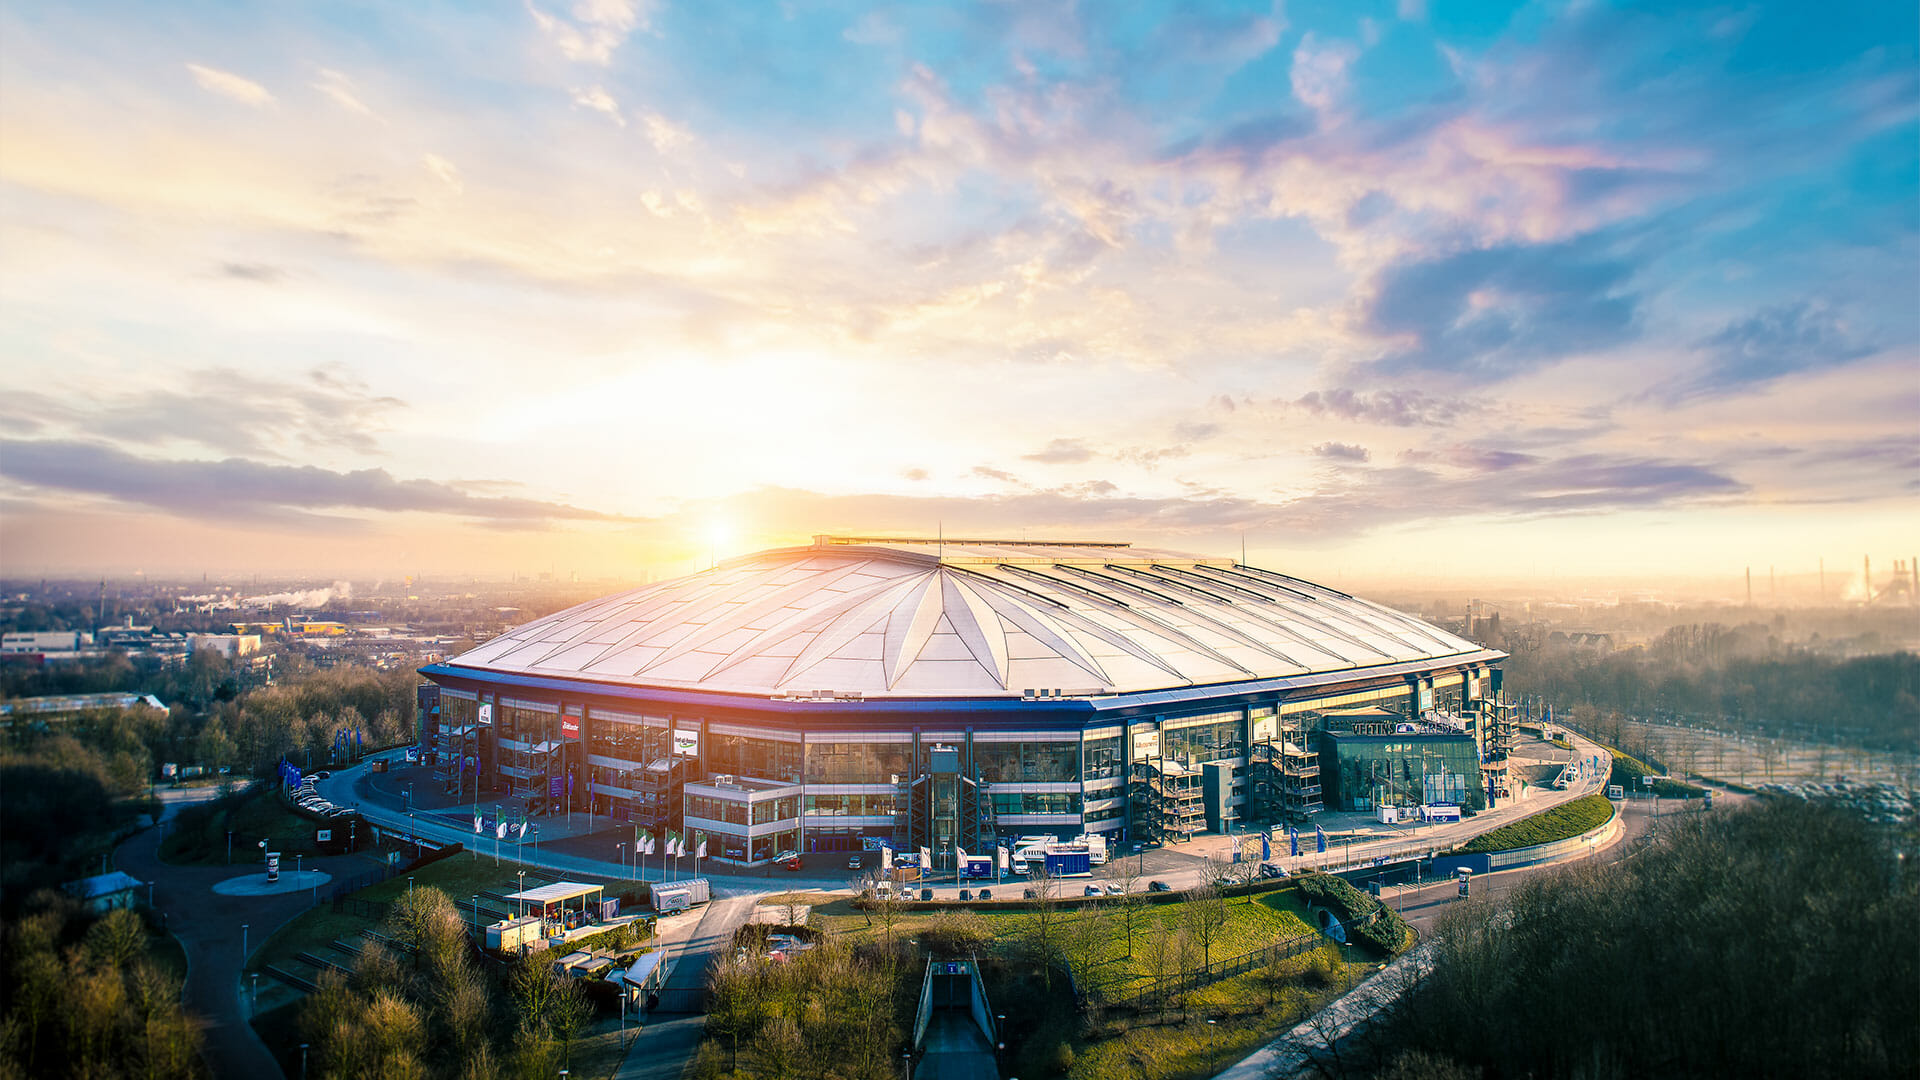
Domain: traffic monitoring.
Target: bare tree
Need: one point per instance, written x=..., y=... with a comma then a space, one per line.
x=1128, y=906
x=1205, y=917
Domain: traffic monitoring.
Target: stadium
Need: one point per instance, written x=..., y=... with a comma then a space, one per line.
x=944, y=694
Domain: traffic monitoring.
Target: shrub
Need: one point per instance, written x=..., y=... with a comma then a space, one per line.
x=1368, y=921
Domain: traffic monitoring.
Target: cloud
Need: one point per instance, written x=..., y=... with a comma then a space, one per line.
x=237, y=488
x=443, y=170
x=665, y=135
x=592, y=29
x=340, y=90
x=1347, y=503
x=222, y=409
x=261, y=272
x=990, y=473
x=597, y=99
x=1339, y=451
x=1489, y=313
x=1476, y=458
x=1773, y=342
x=1061, y=452
x=1193, y=431
x=1319, y=73
x=1395, y=408
x=230, y=86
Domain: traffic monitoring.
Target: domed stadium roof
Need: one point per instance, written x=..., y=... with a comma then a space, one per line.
x=923, y=618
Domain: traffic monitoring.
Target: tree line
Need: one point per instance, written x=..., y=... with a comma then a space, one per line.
x=1741, y=678
x=84, y=999
x=1774, y=940
x=427, y=1009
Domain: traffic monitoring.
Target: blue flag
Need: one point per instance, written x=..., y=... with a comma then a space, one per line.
x=1266, y=849
x=1293, y=840
x=1320, y=838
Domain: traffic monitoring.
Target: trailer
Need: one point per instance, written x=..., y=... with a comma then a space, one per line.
x=1065, y=860
x=672, y=896
x=977, y=866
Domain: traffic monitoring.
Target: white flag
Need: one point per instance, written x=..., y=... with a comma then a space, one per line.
x=701, y=851
x=476, y=823
x=1001, y=854
x=650, y=846
x=500, y=833
x=962, y=857
x=926, y=858
x=679, y=846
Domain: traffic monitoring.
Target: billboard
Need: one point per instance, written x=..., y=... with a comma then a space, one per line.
x=686, y=743
x=486, y=712
x=1265, y=728
x=570, y=728
x=1146, y=744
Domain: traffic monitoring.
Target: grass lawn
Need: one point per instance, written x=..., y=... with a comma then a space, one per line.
x=1569, y=819
x=1246, y=1012
x=198, y=834
x=462, y=875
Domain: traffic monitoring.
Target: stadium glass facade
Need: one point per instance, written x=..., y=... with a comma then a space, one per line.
x=765, y=768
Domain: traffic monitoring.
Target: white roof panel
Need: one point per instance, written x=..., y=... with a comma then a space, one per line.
x=964, y=618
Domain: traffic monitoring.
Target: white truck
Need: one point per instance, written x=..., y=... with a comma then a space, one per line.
x=672, y=896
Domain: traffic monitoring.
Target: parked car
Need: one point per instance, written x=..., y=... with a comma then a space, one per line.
x=1159, y=886
x=1092, y=890
x=324, y=774
x=1268, y=870
x=926, y=894
x=966, y=894
x=855, y=862
x=1114, y=888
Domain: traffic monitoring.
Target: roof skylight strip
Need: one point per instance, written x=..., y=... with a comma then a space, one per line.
x=1141, y=589
x=1062, y=582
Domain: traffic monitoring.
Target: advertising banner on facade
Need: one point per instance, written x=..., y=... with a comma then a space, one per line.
x=570, y=728
x=554, y=786
x=686, y=743
x=1266, y=728
x=486, y=712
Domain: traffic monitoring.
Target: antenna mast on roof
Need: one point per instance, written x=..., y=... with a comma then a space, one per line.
x=1243, y=548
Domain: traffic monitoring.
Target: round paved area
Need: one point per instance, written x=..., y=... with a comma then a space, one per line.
x=257, y=884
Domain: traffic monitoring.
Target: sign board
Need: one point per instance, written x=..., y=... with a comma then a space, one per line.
x=324, y=836
x=486, y=712
x=273, y=866
x=686, y=743
x=1615, y=791
x=570, y=728
x=1266, y=729
x=1146, y=744
x=554, y=784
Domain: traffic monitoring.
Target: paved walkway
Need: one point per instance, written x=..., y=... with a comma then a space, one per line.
x=671, y=1036
x=208, y=926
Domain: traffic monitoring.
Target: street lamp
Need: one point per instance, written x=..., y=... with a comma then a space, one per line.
x=620, y=852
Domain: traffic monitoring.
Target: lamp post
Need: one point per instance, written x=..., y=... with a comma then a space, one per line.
x=620, y=851
x=303, y=1061
x=229, y=847
x=476, y=911
x=243, y=944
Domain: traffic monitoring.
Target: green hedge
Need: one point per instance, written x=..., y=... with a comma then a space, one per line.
x=1569, y=819
x=1627, y=771
x=1368, y=921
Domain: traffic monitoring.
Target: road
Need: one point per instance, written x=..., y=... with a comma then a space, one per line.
x=207, y=925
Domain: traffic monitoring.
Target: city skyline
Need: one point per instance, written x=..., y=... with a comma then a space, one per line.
x=1419, y=289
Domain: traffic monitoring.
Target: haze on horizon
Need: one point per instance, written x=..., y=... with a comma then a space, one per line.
x=1409, y=290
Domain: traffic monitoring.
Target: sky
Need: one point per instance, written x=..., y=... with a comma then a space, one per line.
x=1417, y=290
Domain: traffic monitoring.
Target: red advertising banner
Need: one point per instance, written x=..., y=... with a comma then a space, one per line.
x=570, y=728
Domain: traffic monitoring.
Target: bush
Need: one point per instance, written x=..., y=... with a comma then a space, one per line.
x=1368, y=921
x=1561, y=822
